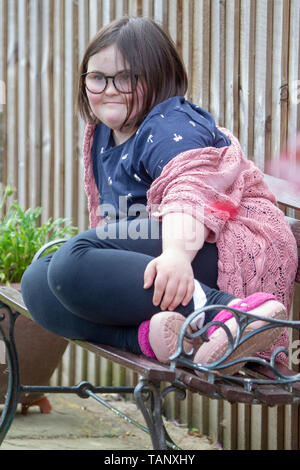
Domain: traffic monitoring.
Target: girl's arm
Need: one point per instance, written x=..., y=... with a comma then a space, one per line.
x=171, y=272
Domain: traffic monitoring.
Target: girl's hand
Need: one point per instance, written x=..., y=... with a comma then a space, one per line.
x=173, y=279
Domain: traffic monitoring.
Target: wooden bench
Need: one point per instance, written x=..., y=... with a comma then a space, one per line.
x=257, y=383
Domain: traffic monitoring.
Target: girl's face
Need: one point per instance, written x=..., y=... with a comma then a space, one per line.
x=110, y=106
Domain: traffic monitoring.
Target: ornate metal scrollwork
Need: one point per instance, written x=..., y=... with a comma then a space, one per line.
x=216, y=369
x=149, y=398
x=13, y=390
x=180, y=392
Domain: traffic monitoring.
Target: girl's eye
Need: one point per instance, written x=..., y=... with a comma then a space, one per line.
x=95, y=82
x=124, y=77
x=97, y=77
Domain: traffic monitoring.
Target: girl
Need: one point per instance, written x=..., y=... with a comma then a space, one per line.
x=214, y=235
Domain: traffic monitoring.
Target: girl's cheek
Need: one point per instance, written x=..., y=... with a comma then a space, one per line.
x=93, y=99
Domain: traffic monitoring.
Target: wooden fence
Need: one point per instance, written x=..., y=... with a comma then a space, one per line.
x=242, y=57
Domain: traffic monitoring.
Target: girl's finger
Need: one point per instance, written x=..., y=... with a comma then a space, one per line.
x=159, y=289
x=171, y=292
x=189, y=293
x=149, y=274
x=180, y=294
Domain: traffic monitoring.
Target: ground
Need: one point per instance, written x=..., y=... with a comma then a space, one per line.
x=84, y=424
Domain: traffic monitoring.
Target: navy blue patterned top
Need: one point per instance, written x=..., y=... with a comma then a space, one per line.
x=124, y=173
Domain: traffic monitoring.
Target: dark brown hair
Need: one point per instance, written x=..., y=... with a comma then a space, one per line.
x=150, y=53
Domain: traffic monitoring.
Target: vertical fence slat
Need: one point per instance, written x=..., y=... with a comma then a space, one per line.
x=277, y=57
x=187, y=41
x=201, y=56
x=215, y=68
x=2, y=59
x=3, y=81
x=172, y=17
x=294, y=65
x=284, y=95
x=58, y=108
x=147, y=8
x=244, y=427
x=261, y=32
x=231, y=65
x=11, y=116
x=158, y=14
x=268, y=71
x=69, y=109
x=46, y=113
x=94, y=8
x=106, y=12
x=22, y=102
x=82, y=44
x=246, y=85
x=34, y=121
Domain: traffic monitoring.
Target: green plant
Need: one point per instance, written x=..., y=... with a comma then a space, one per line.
x=21, y=236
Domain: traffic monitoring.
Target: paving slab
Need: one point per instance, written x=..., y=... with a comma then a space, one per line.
x=84, y=424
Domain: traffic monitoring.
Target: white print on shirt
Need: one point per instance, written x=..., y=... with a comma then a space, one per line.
x=162, y=116
x=150, y=138
x=102, y=150
x=124, y=156
x=136, y=177
x=128, y=196
x=158, y=166
x=192, y=123
x=177, y=138
x=109, y=180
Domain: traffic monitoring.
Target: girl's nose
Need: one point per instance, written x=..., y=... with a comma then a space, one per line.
x=110, y=87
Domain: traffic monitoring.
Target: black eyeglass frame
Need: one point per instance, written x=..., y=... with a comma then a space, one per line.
x=113, y=80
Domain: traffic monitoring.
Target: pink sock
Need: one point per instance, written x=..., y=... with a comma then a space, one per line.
x=143, y=339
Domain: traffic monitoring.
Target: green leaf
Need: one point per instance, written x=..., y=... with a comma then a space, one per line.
x=21, y=236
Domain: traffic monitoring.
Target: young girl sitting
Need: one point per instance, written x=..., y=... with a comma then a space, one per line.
x=180, y=219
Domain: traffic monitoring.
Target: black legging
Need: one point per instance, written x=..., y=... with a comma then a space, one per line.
x=92, y=287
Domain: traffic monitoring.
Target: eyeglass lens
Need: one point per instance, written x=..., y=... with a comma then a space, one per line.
x=96, y=82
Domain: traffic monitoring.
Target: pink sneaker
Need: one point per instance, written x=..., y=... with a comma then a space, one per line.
x=163, y=335
x=261, y=304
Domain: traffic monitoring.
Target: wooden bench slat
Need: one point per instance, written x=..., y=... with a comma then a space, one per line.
x=283, y=191
x=295, y=227
x=270, y=395
x=235, y=393
x=147, y=367
x=287, y=195
x=267, y=373
x=12, y=296
x=196, y=384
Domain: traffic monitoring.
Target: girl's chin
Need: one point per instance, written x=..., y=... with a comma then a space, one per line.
x=114, y=124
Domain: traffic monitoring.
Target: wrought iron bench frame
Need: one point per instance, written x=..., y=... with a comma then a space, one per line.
x=259, y=382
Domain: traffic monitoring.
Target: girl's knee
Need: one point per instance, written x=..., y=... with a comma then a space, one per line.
x=34, y=284
x=35, y=272
x=65, y=265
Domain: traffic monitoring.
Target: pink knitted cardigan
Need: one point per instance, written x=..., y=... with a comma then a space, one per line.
x=257, y=250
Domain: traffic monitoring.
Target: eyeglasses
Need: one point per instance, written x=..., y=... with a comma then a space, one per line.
x=96, y=82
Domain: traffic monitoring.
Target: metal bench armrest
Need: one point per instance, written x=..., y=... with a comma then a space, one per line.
x=48, y=245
